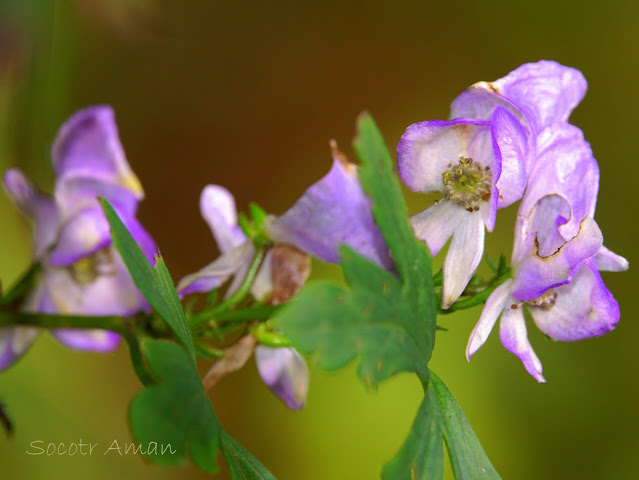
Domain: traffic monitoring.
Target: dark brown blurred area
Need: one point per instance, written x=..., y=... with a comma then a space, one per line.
x=247, y=95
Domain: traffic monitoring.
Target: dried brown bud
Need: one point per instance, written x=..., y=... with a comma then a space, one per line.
x=290, y=268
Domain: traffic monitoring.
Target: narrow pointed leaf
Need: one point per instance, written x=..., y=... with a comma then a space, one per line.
x=242, y=464
x=467, y=457
x=422, y=455
x=155, y=283
x=379, y=179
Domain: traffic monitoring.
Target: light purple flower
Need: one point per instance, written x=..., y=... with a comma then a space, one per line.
x=479, y=167
x=82, y=272
x=285, y=372
x=538, y=94
x=556, y=278
x=331, y=212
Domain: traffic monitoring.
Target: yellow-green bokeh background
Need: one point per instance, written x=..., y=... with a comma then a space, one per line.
x=247, y=95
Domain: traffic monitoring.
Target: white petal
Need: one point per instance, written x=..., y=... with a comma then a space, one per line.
x=464, y=255
x=216, y=273
x=436, y=224
x=513, y=335
x=218, y=209
x=493, y=308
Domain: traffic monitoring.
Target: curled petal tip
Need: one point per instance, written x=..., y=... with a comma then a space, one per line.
x=348, y=166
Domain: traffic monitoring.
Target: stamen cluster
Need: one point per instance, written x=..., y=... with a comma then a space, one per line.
x=468, y=183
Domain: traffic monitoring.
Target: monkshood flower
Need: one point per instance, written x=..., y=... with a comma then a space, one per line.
x=479, y=167
x=556, y=258
x=538, y=94
x=82, y=273
x=331, y=212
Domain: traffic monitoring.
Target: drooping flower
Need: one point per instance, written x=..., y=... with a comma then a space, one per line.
x=557, y=255
x=82, y=273
x=331, y=212
x=479, y=167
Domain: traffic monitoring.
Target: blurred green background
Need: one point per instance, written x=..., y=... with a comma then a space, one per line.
x=247, y=95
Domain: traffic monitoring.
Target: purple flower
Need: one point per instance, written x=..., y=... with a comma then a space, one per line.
x=557, y=256
x=538, y=94
x=331, y=212
x=285, y=372
x=82, y=272
x=479, y=167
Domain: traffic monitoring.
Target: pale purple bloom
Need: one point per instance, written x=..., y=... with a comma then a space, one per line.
x=82, y=272
x=556, y=278
x=479, y=166
x=332, y=212
x=539, y=94
x=285, y=372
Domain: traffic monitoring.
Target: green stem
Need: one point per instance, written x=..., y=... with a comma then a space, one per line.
x=115, y=324
x=238, y=295
x=137, y=359
x=479, y=298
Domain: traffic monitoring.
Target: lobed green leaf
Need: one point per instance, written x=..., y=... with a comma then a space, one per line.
x=176, y=411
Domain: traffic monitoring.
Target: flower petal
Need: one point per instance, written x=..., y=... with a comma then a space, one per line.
x=437, y=223
x=14, y=342
x=88, y=147
x=493, y=308
x=108, y=289
x=218, y=209
x=332, y=212
x=584, y=308
x=427, y=148
x=40, y=207
x=513, y=335
x=463, y=257
x=216, y=273
x=83, y=234
x=91, y=340
x=545, y=92
x=511, y=151
x=610, y=262
x=285, y=372
x=536, y=274
x=565, y=167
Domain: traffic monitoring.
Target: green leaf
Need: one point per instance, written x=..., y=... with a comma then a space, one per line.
x=155, y=283
x=242, y=464
x=389, y=323
x=379, y=180
x=422, y=455
x=467, y=457
x=375, y=320
x=5, y=421
x=175, y=411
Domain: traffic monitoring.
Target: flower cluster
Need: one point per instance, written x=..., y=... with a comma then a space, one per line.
x=82, y=273
x=510, y=140
x=507, y=141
